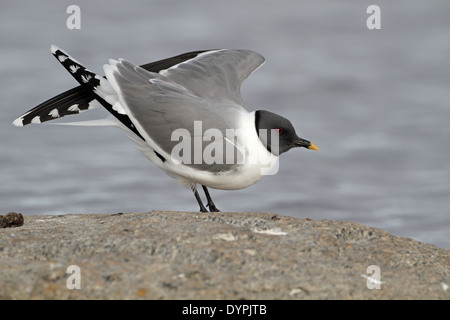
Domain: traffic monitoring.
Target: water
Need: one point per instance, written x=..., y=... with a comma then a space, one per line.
x=375, y=102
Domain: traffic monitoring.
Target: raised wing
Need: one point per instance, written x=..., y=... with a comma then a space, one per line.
x=81, y=99
x=215, y=74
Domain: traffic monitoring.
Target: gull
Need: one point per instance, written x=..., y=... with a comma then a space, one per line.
x=185, y=114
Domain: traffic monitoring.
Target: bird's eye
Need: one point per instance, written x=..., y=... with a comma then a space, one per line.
x=279, y=130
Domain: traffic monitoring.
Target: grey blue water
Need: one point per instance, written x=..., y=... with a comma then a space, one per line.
x=376, y=103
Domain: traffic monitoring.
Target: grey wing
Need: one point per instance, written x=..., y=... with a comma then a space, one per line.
x=216, y=74
x=160, y=107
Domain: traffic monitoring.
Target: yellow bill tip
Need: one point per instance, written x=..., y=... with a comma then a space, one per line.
x=313, y=147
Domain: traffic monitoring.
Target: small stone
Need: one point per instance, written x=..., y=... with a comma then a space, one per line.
x=11, y=219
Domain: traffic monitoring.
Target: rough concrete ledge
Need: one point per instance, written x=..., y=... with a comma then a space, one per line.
x=179, y=255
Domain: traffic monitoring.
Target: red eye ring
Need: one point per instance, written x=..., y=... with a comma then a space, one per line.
x=280, y=130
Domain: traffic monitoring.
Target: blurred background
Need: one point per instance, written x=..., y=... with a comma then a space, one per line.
x=376, y=103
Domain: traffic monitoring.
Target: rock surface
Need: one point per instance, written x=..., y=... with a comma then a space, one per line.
x=178, y=255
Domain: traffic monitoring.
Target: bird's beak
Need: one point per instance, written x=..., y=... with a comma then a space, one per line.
x=313, y=146
x=305, y=144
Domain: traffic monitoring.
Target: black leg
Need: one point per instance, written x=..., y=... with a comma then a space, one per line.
x=210, y=205
x=200, y=203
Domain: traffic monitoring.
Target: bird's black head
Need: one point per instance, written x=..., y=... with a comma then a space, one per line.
x=277, y=126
